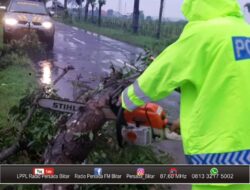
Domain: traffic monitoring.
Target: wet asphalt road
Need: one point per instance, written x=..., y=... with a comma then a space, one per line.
x=91, y=55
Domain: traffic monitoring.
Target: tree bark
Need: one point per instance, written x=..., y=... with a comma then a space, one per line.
x=136, y=15
x=73, y=144
x=160, y=20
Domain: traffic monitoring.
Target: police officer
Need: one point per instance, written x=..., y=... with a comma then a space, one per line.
x=210, y=62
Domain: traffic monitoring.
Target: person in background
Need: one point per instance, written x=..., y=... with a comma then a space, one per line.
x=210, y=63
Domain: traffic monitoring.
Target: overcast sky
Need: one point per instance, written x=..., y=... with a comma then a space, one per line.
x=151, y=7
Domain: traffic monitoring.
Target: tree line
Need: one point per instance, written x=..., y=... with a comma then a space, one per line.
x=101, y=3
x=88, y=3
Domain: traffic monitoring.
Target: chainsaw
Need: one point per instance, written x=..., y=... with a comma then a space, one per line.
x=139, y=127
x=142, y=125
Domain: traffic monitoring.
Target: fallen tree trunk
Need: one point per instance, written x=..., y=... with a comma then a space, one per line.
x=77, y=137
x=75, y=141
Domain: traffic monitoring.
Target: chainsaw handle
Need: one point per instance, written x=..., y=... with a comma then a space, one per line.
x=119, y=123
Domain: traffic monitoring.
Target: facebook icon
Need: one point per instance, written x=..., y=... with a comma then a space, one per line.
x=97, y=171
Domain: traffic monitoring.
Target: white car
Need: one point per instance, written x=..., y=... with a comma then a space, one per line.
x=23, y=16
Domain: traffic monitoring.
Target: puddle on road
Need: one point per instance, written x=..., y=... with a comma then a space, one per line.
x=46, y=67
x=68, y=87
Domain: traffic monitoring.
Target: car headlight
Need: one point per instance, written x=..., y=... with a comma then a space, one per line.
x=47, y=25
x=10, y=21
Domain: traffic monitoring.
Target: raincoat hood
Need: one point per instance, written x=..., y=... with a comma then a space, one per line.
x=195, y=10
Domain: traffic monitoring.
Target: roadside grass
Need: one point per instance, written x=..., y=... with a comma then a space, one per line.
x=146, y=42
x=15, y=80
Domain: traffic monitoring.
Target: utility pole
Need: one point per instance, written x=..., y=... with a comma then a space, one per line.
x=136, y=15
x=66, y=7
x=86, y=10
x=55, y=6
x=125, y=9
x=65, y=4
x=80, y=10
x=160, y=20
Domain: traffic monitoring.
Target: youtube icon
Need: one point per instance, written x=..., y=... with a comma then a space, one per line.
x=43, y=171
x=49, y=171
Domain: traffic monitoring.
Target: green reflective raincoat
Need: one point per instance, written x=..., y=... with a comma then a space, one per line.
x=210, y=62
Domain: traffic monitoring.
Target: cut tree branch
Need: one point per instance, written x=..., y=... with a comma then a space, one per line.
x=13, y=149
x=18, y=144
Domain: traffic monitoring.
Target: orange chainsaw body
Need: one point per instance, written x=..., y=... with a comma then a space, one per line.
x=150, y=115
